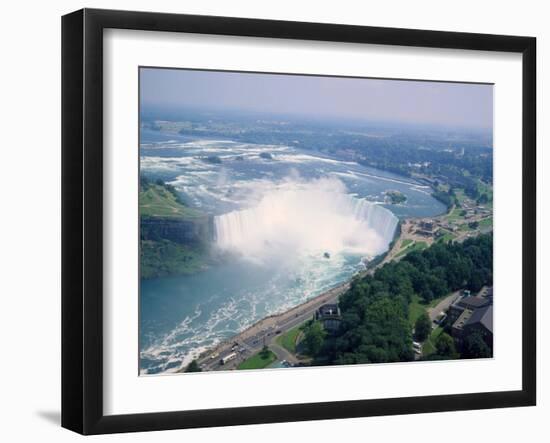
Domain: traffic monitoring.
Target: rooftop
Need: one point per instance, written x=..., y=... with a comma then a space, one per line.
x=463, y=319
x=473, y=302
x=328, y=310
x=482, y=316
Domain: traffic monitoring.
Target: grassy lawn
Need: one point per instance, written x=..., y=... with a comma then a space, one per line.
x=288, y=339
x=416, y=309
x=484, y=188
x=465, y=227
x=429, y=345
x=158, y=201
x=455, y=215
x=486, y=222
x=459, y=193
x=435, y=301
x=416, y=246
x=446, y=237
x=406, y=242
x=257, y=361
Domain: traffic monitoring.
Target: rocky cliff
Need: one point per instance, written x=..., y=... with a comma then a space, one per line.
x=174, y=238
x=194, y=232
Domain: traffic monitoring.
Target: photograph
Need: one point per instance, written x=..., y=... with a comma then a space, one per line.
x=298, y=220
x=252, y=221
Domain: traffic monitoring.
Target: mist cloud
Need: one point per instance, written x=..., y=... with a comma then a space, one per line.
x=298, y=218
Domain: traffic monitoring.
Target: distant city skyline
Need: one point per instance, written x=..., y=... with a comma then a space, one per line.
x=401, y=101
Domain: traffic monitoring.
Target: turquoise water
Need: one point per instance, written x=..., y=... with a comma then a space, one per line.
x=181, y=316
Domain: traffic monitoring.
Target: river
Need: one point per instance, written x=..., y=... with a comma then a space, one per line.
x=298, y=223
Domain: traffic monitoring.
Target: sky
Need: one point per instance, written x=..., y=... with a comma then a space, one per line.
x=412, y=102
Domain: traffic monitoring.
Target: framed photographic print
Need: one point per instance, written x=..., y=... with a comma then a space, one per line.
x=269, y=221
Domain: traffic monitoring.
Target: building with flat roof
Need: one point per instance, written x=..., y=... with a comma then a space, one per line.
x=329, y=316
x=427, y=228
x=466, y=303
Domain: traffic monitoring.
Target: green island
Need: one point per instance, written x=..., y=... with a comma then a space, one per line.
x=395, y=197
x=173, y=236
x=214, y=159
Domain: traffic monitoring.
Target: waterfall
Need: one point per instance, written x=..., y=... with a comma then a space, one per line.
x=382, y=220
x=307, y=218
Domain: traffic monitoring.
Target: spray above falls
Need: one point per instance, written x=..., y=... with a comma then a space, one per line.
x=304, y=218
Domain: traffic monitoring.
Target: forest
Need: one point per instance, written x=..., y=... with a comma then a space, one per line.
x=375, y=326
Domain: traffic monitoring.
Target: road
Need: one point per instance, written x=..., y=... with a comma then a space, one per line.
x=443, y=305
x=251, y=340
x=283, y=354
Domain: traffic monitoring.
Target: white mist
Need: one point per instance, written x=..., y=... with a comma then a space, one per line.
x=297, y=218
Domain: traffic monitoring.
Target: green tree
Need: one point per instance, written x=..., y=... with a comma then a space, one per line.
x=477, y=280
x=314, y=336
x=264, y=353
x=475, y=347
x=193, y=367
x=445, y=346
x=422, y=327
x=375, y=325
x=483, y=199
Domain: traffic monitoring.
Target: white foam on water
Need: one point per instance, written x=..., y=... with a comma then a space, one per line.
x=305, y=158
x=150, y=163
x=286, y=224
x=311, y=275
x=388, y=179
x=300, y=218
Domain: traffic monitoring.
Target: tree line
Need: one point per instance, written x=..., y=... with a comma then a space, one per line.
x=375, y=324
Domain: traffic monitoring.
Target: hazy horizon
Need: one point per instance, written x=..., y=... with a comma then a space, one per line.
x=359, y=99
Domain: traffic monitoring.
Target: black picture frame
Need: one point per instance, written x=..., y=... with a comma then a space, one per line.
x=82, y=218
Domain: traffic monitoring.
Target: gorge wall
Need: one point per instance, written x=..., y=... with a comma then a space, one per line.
x=194, y=233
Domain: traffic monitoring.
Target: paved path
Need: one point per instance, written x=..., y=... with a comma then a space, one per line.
x=283, y=354
x=443, y=305
x=252, y=339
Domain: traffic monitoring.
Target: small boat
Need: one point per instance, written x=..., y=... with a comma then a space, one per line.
x=326, y=255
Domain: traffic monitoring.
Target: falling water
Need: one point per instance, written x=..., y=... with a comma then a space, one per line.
x=307, y=218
